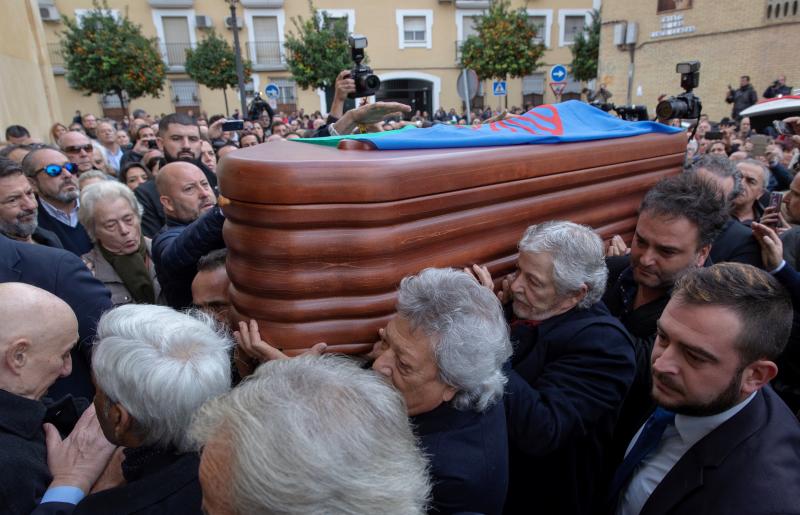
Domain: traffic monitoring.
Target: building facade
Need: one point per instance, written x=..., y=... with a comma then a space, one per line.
x=758, y=38
x=413, y=48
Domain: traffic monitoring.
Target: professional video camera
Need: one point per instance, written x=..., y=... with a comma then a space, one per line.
x=685, y=105
x=631, y=113
x=367, y=83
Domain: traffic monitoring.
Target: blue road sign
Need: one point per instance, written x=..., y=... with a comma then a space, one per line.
x=558, y=73
x=272, y=91
x=499, y=88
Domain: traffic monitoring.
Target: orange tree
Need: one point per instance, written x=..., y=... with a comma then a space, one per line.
x=213, y=64
x=108, y=55
x=504, y=46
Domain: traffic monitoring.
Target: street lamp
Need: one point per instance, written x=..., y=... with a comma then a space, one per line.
x=238, y=52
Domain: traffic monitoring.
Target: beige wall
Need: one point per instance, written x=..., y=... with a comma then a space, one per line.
x=738, y=41
x=374, y=18
x=27, y=91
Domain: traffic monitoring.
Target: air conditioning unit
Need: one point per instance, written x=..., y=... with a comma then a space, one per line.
x=229, y=23
x=203, y=22
x=619, y=33
x=49, y=13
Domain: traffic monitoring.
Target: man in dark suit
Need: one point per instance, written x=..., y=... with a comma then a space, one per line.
x=735, y=242
x=444, y=351
x=573, y=363
x=721, y=440
x=64, y=275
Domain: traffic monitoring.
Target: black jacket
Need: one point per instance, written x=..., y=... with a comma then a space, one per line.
x=571, y=374
x=736, y=243
x=24, y=475
x=741, y=99
x=64, y=275
x=176, y=250
x=74, y=239
x=469, y=458
x=787, y=384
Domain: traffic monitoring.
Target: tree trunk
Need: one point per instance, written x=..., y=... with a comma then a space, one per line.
x=225, y=95
x=122, y=103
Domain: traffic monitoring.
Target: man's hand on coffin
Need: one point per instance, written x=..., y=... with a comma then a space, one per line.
x=248, y=338
x=500, y=116
x=484, y=277
x=369, y=114
x=771, y=245
x=617, y=247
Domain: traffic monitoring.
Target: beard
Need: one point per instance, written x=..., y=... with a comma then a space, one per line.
x=725, y=400
x=67, y=196
x=19, y=229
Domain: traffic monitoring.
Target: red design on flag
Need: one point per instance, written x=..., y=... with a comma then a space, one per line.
x=554, y=120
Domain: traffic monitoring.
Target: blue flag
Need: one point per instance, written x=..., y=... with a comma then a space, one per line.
x=560, y=123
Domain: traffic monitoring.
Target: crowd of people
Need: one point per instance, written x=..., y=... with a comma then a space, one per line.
x=657, y=375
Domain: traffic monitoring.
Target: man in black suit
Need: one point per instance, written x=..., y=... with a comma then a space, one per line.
x=721, y=441
x=65, y=276
x=573, y=363
x=735, y=242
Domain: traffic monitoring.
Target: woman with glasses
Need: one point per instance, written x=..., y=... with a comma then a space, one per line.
x=120, y=257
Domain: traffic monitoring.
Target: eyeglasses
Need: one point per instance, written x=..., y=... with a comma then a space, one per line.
x=75, y=150
x=54, y=170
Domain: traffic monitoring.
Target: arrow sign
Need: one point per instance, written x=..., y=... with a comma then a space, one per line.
x=558, y=73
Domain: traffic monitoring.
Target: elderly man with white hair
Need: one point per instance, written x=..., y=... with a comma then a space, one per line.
x=573, y=364
x=313, y=434
x=154, y=368
x=444, y=351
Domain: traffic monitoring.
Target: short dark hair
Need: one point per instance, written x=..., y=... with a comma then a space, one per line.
x=746, y=77
x=213, y=260
x=277, y=123
x=123, y=173
x=721, y=166
x=9, y=167
x=759, y=301
x=139, y=113
x=215, y=118
x=175, y=119
x=689, y=196
x=27, y=163
x=8, y=149
x=17, y=131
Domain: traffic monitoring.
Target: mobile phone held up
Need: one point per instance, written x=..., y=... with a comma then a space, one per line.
x=233, y=125
x=775, y=199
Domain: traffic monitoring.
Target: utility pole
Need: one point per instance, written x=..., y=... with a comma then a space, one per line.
x=238, y=51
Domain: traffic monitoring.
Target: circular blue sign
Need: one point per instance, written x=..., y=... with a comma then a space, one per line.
x=272, y=91
x=558, y=73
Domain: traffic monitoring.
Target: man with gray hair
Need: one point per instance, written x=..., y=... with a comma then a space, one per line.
x=573, y=364
x=444, y=351
x=313, y=434
x=735, y=242
x=154, y=368
x=747, y=206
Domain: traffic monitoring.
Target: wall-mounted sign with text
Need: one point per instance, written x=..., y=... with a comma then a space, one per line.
x=672, y=26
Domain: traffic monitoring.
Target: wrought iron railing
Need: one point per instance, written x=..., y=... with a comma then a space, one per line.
x=265, y=53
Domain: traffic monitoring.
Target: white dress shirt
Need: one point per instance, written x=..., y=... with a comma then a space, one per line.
x=675, y=442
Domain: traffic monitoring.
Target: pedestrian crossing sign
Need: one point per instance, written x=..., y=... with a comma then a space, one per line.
x=499, y=88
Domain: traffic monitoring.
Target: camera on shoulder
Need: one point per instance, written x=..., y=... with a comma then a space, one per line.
x=367, y=83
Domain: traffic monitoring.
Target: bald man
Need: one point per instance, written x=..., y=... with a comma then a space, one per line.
x=35, y=351
x=193, y=229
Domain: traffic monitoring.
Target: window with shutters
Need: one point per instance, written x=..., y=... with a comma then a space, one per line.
x=266, y=41
x=542, y=21
x=571, y=22
x=176, y=39
x=414, y=28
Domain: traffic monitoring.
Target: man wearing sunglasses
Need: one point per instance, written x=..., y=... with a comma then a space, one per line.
x=78, y=148
x=55, y=180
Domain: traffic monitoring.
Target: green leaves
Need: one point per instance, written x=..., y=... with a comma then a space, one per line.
x=104, y=55
x=585, y=51
x=318, y=51
x=504, y=44
x=213, y=63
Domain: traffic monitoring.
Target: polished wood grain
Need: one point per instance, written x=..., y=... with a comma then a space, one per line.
x=319, y=237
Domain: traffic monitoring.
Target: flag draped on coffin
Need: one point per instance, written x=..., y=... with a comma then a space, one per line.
x=560, y=123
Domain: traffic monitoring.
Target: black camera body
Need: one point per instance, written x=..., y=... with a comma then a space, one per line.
x=367, y=83
x=631, y=113
x=687, y=104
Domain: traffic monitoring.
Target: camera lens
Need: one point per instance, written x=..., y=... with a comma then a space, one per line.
x=671, y=108
x=373, y=82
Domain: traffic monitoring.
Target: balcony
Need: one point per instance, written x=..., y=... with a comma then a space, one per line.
x=266, y=55
x=174, y=55
x=56, y=57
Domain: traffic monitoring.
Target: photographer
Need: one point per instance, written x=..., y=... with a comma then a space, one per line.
x=778, y=88
x=741, y=98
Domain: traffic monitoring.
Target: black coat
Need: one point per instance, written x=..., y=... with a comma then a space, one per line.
x=787, y=384
x=64, y=275
x=469, y=458
x=24, y=475
x=153, y=218
x=737, y=244
x=74, y=239
x=176, y=250
x=750, y=464
x=571, y=374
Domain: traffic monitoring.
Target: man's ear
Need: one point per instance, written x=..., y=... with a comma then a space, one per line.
x=758, y=374
x=34, y=185
x=16, y=355
x=166, y=203
x=702, y=255
x=574, y=299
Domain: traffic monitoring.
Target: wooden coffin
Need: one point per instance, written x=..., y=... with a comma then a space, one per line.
x=319, y=238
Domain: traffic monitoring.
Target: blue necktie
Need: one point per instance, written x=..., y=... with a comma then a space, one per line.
x=646, y=443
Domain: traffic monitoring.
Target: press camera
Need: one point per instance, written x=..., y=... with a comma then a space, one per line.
x=685, y=105
x=367, y=83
